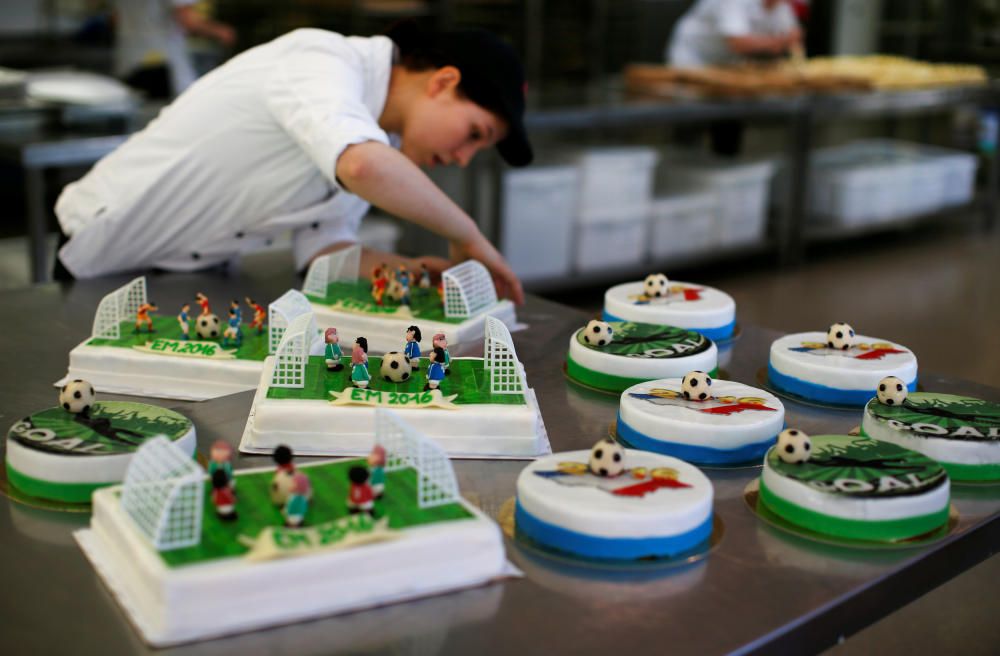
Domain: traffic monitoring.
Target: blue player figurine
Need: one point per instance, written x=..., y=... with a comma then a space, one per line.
x=435, y=372
x=412, y=348
x=184, y=322
x=234, y=331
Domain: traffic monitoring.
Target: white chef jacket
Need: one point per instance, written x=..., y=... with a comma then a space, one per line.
x=248, y=152
x=146, y=31
x=700, y=36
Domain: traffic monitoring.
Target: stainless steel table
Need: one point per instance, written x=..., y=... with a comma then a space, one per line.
x=759, y=590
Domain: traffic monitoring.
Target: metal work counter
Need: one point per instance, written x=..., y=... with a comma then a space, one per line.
x=760, y=589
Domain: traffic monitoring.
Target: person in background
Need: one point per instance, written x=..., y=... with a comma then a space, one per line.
x=151, y=52
x=301, y=134
x=726, y=32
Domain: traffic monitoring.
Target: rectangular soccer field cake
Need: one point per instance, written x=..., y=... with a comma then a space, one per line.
x=164, y=361
x=344, y=299
x=182, y=573
x=482, y=409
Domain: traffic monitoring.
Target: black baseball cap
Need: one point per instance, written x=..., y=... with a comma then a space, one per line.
x=492, y=77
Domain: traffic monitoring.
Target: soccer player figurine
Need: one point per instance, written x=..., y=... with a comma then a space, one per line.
x=142, y=316
x=425, y=277
x=359, y=363
x=235, y=305
x=379, y=283
x=298, y=501
x=376, y=464
x=223, y=497
x=234, y=331
x=259, y=314
x=183, y=322
x=202, y=301
x=333, y=352
x=403, y=276
x=440, y=341
x=219, y=456
x=281, y=484
x=360, y=497
x=435, y=372
x=412, y=348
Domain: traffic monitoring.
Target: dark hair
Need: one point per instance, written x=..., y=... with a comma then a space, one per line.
x=220, y=478
x=282, y=454
x=363, y=343
x=358, y=475
x=438, y=355
x=416, y=333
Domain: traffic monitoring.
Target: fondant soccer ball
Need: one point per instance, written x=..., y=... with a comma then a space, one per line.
x=207, y=326
x=598, y=333
x=607, y=458
x=77, y=396
x=793, y=446
x=655, y=285
x=396, y=367
x=840, y=336
x=891, y=391
x=696, y=386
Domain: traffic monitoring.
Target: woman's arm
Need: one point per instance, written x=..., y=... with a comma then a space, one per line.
x=387, y=179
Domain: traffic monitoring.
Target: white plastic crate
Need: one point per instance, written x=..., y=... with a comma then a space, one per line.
x=616, y=183
x=538, y=215
x=742, y=190
x=609, y=244
x=684, y=223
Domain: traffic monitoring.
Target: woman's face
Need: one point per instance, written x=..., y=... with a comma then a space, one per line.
x=444, y=127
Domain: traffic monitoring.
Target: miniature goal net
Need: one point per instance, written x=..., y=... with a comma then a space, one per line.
x=407, y=447
x=281, y=312
x=468, y=289
x=504, y=369
x=339, y=265
x=164, y=494
x=118, y=306
x=293, y=353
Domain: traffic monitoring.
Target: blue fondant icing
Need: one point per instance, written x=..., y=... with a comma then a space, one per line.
x=608, y=548
x=702, y=455
x=822, y=393
x=718, y=332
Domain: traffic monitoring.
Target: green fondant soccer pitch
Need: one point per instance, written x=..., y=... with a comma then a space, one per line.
x=253, y=346
x=330, y=486
x=468, y=379
x=357, y=297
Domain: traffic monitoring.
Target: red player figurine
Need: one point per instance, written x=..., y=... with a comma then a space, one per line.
x=142, y=316
x=360, y=498
x=202, y=301
x=223, y=497
x=259, y=314
x=379, y=283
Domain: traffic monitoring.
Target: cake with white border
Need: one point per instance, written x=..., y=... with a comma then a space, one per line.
x=636, y=353
x=342, y=298
x=703, y=309
x=657, y=506
x=63, y=456
x=960, y=432
x=857, y=488
x=736, y=424
x=805, y=365
x=119, y=358
x=182, y=575
x=483, y=408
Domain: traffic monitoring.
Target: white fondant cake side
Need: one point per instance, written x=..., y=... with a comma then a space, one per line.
x=714, y=308
x=942, y=449
x=593, y=511
x=641, y=367
x=840, y=370
x=686, y=422
x=182, y=604
x=56, y=468
x=386, y=332
x=318, y=428
x=857, y=508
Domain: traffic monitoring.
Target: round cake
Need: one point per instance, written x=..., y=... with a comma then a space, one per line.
x=805, y=365
x=961, y=433
x=657, y=506
x=638, y=352
x=64, y=456
x=857, y=488
x=736, y=424
x=695, y=307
